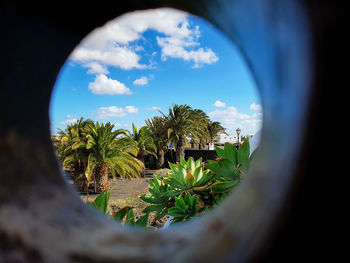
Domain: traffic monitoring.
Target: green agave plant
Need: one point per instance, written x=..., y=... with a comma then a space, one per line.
x=101, y=204
x=190, y=189
x=188, y=176
x=158, y=197
x=129, y=216
x=230, y=166
x=185, y=208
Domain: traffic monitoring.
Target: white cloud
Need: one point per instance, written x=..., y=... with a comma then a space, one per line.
x=257, y=115
x=68, y=122
x=184, y=45
x=117, y=56
x=219, y=104
x=104, y=85
x=111, y=45
x=139, y=48
x=114, y=111
x=232, y=119
x=175, y=48
x=96, y=68
x=230, y=112
x=141, y=81
x=154, y=108
x=256, y=107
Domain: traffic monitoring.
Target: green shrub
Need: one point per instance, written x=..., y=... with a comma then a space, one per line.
x=129, y=216
x=101, y=204
x=188, y=177
x=185, y=208
x=158, y=197
x=191, y=187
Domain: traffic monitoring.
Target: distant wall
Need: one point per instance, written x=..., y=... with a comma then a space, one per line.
x=170, y=156
x=205, y=154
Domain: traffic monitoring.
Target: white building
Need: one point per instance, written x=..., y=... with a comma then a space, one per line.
x=223, y=138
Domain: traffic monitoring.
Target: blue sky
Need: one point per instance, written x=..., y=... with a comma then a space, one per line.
x=143, y=61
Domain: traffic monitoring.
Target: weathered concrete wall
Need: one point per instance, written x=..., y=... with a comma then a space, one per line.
x=170, y=156
x=291, y=48
x=195, y=153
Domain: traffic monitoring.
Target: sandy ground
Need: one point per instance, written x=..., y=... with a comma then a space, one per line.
x=121, y=188
x=124, y=188
x=126, y=193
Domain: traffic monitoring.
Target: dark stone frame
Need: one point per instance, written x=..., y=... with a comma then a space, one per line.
x=257, y=223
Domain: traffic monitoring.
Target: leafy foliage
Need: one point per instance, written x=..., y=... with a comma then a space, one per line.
x=188, y=190
x=159, y=134
x=184, y=208
x=192, y=187
x=129, y=216
x=188, y=176
x=230, y=166
x=96, y=151
x=101, y=204
x=158, y=197
x=183, y=122
x=116, y=153
x=144, y=141
x=213, y=128
x=70, y=145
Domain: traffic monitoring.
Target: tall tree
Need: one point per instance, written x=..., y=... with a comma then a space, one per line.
x=71, y=149
x=144, y=141
x=159, y=135
x=183, y=122
x=109, y=154
x=213, y=128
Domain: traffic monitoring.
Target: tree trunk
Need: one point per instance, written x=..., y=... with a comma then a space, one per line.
x=79, y=178
x=80, y=182
x=180, y=149
x=101, y=179
x=141, y=157
x=160, y=159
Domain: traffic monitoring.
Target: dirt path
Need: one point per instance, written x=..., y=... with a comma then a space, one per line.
x=121, y=188
x=124, y=188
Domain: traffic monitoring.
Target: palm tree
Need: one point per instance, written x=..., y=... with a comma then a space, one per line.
x=213, y=128
x=71, y=150
x=182, y=123
x=159, y=135
x=144, y=141
x=110, y=155
x=62, y=142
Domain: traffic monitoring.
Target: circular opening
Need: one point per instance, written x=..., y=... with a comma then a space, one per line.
x=134, y=73
x=274, y=40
